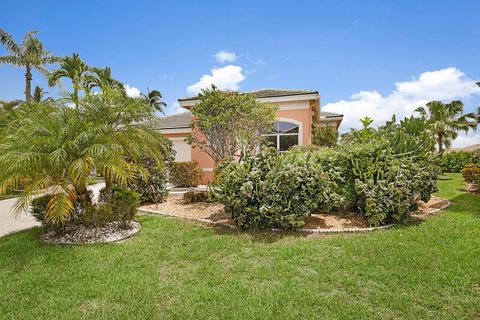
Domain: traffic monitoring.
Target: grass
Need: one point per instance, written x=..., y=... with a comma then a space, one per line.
x=178, y=270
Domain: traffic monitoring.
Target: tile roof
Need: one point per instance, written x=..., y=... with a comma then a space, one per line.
x=183, y=120
x=326, y=114
x=176, y=121
x=269, y=93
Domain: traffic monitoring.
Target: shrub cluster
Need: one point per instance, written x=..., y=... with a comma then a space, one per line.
x=274, y=190
x=381, y=174
x=185, y=174
x=122, y=207
x=153, y=188
x=471, y=173
x=455, y=161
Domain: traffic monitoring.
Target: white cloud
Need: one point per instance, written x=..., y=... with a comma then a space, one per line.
x=225, y=56
x=174, y=109
x=465, y=140
x=132, y=91
x=225, y=78
x=446, y=84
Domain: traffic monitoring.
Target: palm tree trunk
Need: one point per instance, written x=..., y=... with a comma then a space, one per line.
x=440, y=143
x=108, y=189
x=28, y=84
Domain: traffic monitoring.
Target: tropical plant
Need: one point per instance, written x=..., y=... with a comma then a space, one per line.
x=57, y=148
x=74, y=69
x=326, y=136
x=360, y=135
x=39, y=94
x=445, y=120
x=274, y=190
x=30, y=54
x=152, y=189
x=102, y=78
x=230, y=125
x=471, y=173
x=154, y=99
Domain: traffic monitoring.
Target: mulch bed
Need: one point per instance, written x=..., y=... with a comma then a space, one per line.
x=213, y=213
x=79, y=234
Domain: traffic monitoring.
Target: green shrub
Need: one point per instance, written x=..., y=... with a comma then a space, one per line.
x=325, y=136
x=96, y=216
x=471, y=173
x=124, y=205
x=274, y=190
x=152, y=189
x=38, y=208
x=455, y=161
x=185, y=174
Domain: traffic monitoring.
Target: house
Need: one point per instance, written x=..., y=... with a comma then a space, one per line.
x=298, y=111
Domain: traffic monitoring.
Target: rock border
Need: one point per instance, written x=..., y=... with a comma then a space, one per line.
x=118, y=235
x=301, y=230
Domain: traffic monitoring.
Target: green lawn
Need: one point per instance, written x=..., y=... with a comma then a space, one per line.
x=179, y=270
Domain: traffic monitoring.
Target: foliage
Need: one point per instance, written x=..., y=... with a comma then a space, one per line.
x=124, y=205
x=230, y=125
x=471, y=173
x=30, y=54
x=152, y=189
x=185, y=174
x=195, y=196
x=446, y=120
x=154, y=99
x=59, y=147
x=455, y=161
x=274, y=190
x=72, y=68
x=326, y=136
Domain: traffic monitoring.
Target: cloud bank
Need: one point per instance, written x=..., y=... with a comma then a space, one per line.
x=225, y=78
x=446, y=84
x=132, y=91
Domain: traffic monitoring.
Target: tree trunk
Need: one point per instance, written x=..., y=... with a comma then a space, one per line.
x=440, y=143
x=28, y=85
x=108, y=190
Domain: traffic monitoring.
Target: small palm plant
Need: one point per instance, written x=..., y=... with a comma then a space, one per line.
x=446, y=120
x=55, y=149
x=154, y=99
x=30, y=54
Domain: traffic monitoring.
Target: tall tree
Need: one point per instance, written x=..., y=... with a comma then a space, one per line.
x=154, y=100
x=102, y=78
x=74, y=69
x=29, y=54
x=230, y=125
x=445, y=120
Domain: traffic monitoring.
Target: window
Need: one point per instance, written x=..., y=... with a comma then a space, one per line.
x=283, y=135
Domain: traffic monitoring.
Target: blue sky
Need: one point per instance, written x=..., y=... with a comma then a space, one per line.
x=341, y=48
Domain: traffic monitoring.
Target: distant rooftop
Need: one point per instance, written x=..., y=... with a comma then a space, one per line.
x=269, y=93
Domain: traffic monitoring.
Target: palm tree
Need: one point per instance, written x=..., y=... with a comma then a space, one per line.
x=38, y=95
x=29, y=54
x=102, y=78
x=154, y=100
x=446, y=120
x=72, y=68
x=56, y=148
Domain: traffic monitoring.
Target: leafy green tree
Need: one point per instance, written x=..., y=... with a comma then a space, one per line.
x=57, y=148
x=326, y=136
x=230, y=125
x=74, y=69
x=154, y=99
x=445, y=120
x=30, y=54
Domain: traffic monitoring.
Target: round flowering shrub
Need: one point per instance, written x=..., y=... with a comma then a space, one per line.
x=455, y=161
